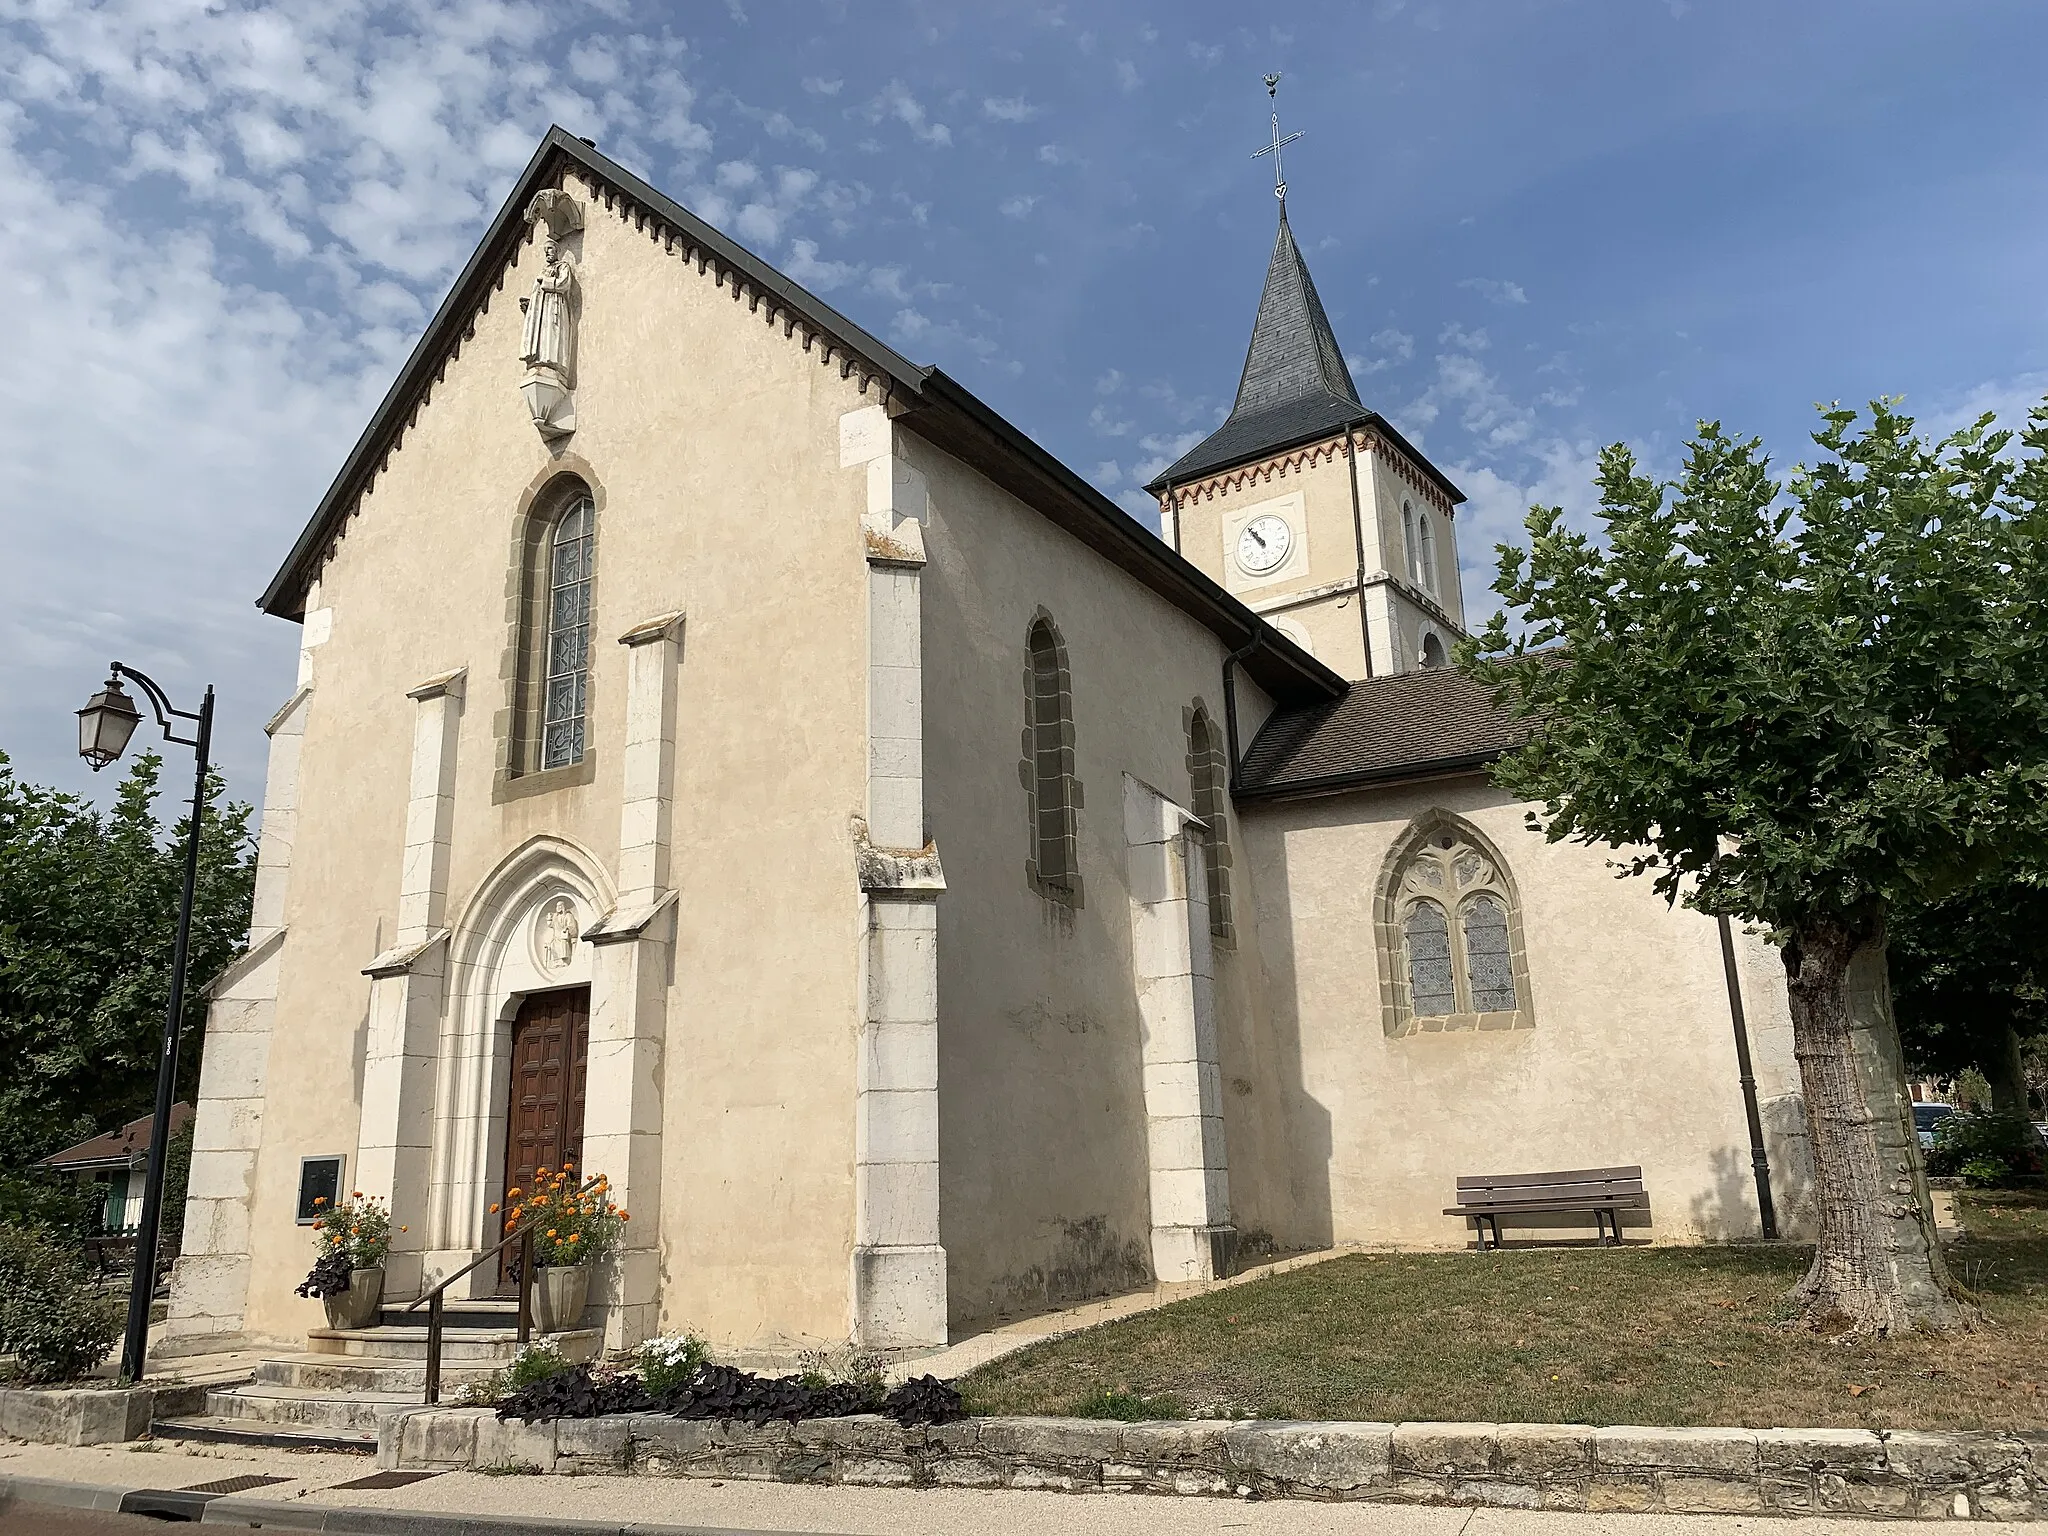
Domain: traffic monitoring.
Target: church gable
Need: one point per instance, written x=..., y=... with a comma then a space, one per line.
x=535, y=246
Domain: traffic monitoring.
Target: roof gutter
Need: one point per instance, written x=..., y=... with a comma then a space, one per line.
x=1337, y=783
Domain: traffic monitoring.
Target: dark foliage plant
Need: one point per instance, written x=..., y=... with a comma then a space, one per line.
x=329, y=1277
x=728, y=1394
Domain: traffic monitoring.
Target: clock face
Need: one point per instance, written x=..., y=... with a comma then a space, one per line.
x=1263, y=543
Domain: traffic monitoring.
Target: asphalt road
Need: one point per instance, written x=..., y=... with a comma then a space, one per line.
x=46, y=1520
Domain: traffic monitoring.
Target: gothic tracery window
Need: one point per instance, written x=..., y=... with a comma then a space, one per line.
x=1451, y=934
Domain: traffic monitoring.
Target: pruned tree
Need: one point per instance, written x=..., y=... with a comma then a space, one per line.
x=1802, y=705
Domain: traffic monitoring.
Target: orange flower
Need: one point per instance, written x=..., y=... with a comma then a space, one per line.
x=494, y=1207
x=356, y=1195
x=575, y=1237
x=551, y=1231
x=319, y=1199
x=540, y=1199
x=514, y=1193
x=542, y=1170
x=624, y=1217
x=405, y=1229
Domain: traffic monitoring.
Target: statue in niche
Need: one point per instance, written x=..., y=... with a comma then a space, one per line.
x=558, y=934
x=547, y=343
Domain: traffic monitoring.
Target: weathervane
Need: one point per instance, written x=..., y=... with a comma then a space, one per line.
x=1278, y=144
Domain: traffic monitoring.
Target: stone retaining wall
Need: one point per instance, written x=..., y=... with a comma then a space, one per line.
x=90, y=1415
x=1905, y=1473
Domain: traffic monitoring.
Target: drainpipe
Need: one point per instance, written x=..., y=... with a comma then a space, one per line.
x=1758, y=1157
x=1358, y=538
x=1230, y=664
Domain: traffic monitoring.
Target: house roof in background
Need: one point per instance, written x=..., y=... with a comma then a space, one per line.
x=117, y=1149
x=1435, y=720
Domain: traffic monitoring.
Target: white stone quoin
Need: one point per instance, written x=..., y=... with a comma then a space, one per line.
x=899, y=1266
x=629, y=987
x=1192, y=1235
x=394, y=1146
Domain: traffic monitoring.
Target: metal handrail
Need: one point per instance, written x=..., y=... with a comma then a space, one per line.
x=433, y=1299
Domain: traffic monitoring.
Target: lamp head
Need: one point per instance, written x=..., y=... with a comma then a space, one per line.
x=105, y=724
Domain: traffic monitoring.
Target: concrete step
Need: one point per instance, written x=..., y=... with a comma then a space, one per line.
x=223, y=1431
x=365, y=1373
x=492, y=1312
x=459, y=1346
x=311, y=1407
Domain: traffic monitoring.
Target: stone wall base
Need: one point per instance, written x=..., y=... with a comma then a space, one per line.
x=1902, y=1474
x=90, y=1415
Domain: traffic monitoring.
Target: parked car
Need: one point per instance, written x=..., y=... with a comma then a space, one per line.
x=1925, y=1118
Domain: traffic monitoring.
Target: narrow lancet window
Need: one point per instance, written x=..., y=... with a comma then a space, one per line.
x=1430, y=983
x=1048, y=767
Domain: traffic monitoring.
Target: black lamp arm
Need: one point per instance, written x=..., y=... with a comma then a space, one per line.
x=160, y=702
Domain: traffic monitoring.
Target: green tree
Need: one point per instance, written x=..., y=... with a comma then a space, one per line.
x=1803, y=706
x=88, y=916
x=1970, y=983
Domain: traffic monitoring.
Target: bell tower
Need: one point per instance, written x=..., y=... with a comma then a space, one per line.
x=1311, y=508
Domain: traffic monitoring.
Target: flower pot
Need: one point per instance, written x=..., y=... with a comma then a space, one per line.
x=559, y=1294
x=356, y=1307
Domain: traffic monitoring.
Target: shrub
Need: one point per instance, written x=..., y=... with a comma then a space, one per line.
x=668, y=1363
x=1988, y=1149
x=534, y=1363
x=57, y=1326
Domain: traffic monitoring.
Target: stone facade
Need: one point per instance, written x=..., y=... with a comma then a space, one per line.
x=860, y=1070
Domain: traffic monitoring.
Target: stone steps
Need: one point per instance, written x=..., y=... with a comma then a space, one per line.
x=314, y=1407
x=366, y=1373
x=459, y=1346
x=227, y=1431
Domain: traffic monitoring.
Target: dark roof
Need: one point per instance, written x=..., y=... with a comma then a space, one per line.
x=1435, y=720
x=117, y=1148
x=1295, y=387
x=933, y=405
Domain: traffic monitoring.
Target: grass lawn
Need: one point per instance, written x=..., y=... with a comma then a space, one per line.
x=1558, y=1335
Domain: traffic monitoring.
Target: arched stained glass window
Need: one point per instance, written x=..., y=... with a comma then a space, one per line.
x=1048, y=768
x=1431, y=985
x=1489, y=964
x=1450, y=933
x=567, y=684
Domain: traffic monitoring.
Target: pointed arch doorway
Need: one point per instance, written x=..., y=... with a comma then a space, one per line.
x=550, y=1061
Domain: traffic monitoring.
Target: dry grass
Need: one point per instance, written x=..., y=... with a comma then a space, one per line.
x=1578, y=1335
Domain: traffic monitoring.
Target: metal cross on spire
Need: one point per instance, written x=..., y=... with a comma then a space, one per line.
x=1278, y=144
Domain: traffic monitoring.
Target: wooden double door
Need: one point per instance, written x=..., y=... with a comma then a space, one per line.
x=544, y=1102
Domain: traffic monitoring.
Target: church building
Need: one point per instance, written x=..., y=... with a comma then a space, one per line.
x=728, y=756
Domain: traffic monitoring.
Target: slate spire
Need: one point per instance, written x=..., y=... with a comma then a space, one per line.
x=1294, y=354
x=1295, y=385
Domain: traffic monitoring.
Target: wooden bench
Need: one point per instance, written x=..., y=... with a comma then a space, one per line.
x=1605, y=1192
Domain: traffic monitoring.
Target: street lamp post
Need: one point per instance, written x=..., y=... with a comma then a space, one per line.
x=104, y=726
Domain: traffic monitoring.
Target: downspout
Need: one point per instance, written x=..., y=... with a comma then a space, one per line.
x=1758, y=1157
x=1358, y=539
x=1230, y=663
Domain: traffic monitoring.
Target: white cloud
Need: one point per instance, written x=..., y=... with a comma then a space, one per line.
x=1108, y=472
x=1557, y=474
x=1104, y=423
x=1110, y=382
x=1393, y=347
x=895, y=101
x=1496, y=290
x=820, y=87
x=804, y=267
x=1052, y=154
x=1163, y=450
x=1016, y=207
x=1127, y=75
x=1008, y=109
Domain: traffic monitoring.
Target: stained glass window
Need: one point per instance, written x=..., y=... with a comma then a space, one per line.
x=1430, y=989
x=1488, y=969
x=568, y=637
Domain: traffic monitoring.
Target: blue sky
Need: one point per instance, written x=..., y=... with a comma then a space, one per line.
x=1538, y=228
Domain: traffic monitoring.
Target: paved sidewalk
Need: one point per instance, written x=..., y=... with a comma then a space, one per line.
x=310, y=1479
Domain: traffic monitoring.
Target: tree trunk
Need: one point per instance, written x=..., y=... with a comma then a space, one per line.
x=2002, y=1070
x=1877, y=1268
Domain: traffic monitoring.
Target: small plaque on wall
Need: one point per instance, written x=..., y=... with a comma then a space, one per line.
x=319, y=1186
